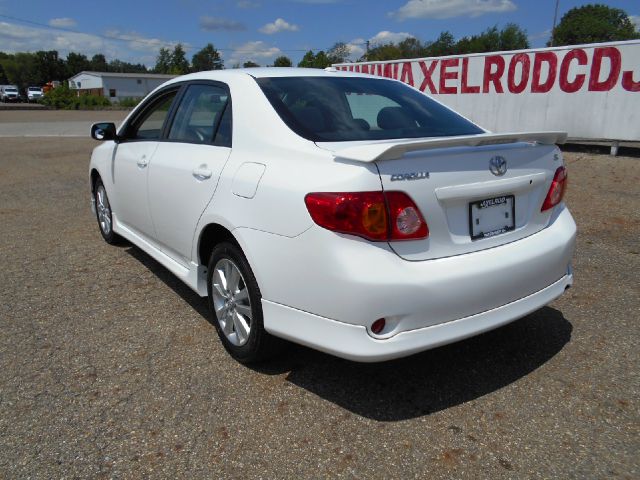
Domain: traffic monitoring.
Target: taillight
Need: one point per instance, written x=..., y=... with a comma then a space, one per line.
x=556, y=190
x=377, y=216
x=406, y=220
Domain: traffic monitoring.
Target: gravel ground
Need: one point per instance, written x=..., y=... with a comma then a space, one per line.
x=109, y=367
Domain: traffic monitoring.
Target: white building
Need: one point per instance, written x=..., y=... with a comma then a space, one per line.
x=116, y=86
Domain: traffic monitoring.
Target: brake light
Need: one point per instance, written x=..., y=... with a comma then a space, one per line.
x=377, y=216
x=556, y=190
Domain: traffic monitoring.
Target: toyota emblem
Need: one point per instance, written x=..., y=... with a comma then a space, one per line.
x=498, y=165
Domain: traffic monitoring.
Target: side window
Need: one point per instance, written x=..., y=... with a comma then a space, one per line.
x=199, y=114
x=149, y=125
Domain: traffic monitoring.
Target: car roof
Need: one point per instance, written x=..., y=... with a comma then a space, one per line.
x=264, y=72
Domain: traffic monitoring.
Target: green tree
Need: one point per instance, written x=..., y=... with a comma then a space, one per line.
x=307, y=60
x=163, y=61
x=282, y=61
x=98, y=63
x=444, y=45
x=411, y=47
x=76, y=63
x=512, y=37
x=48, y=66
x=179, y=65
x=592, y=24
x=20, y=69
x=322, y=60
x=387, y=51
x=125, y=67
x=317, y=60
x=250, y=64
x=206, y=59
x=3, y=76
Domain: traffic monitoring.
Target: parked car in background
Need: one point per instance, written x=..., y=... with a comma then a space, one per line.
x=349, y=213
x=9, y=93
x=34, y=94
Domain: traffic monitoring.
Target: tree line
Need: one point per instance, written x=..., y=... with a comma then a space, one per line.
x=586, y=24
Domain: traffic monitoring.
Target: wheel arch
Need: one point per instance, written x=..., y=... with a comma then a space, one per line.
x=95, y=175
x=211, y=235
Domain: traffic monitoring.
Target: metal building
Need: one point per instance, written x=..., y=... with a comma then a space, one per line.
x=116, y=86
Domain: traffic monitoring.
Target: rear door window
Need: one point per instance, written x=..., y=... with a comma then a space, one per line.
x=198, y=117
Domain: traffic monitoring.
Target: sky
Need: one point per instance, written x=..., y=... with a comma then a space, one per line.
x=261, y=30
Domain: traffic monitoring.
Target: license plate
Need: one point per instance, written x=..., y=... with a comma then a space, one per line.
x=492, y=216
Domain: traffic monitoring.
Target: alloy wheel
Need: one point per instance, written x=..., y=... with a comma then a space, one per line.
x=104, y=210
x=231, y=302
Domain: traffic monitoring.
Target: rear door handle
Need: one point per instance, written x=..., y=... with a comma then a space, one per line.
x=143, y=162
x=202, y=172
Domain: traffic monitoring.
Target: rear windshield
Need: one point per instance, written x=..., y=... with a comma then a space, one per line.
x=338, y=109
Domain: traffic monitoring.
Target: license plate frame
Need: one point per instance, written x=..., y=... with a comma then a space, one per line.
x=504, y=205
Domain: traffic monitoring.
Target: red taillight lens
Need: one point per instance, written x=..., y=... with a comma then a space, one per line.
x=375, y=216
x=557, y=189
x=406, y=220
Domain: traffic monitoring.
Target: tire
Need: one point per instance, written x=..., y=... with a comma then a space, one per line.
x=104, y=214
x=236, y=308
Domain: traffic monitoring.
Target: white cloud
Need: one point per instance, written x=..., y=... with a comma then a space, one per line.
x=357, y=46
x=279, y=25
x=451, y=8
x=635, y=19
x=386, y=36
x=216, y=23
x=128, y=47
x=246, y=4
x=138, y=42
x=257, y=51
x=64, y=22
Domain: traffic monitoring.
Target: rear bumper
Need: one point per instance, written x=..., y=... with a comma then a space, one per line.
x=353, y=342
x=325, y=290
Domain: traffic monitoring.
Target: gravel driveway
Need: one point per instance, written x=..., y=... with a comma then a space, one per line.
x=109, y=367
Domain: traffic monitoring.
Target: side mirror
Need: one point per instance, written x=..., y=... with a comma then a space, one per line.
x=104, y=131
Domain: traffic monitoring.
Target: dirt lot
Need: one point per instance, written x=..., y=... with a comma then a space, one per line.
x=109, y=367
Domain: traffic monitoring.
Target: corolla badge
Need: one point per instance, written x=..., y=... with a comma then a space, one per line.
x=498, y=165
x=397, y=177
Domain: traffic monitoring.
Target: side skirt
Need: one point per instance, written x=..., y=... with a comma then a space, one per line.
x=194, y=276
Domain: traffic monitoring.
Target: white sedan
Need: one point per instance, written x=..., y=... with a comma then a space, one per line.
x=345, y=212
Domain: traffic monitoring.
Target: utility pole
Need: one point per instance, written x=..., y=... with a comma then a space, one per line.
x=555, y=18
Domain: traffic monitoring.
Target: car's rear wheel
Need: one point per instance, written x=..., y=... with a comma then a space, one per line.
x=103, y=213
x=235, y=302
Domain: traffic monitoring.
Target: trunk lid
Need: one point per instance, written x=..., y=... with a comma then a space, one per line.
x=458, y=194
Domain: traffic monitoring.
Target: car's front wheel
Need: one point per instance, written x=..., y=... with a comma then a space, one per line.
x=235, y=302
x=103, y=213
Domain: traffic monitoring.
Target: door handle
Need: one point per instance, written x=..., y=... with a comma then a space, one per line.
x=143, y=162
x=202, y=172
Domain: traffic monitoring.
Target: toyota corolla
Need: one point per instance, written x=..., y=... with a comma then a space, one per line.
x=345, y=212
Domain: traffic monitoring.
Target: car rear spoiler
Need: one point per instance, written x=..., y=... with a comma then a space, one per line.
x=394, y=149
